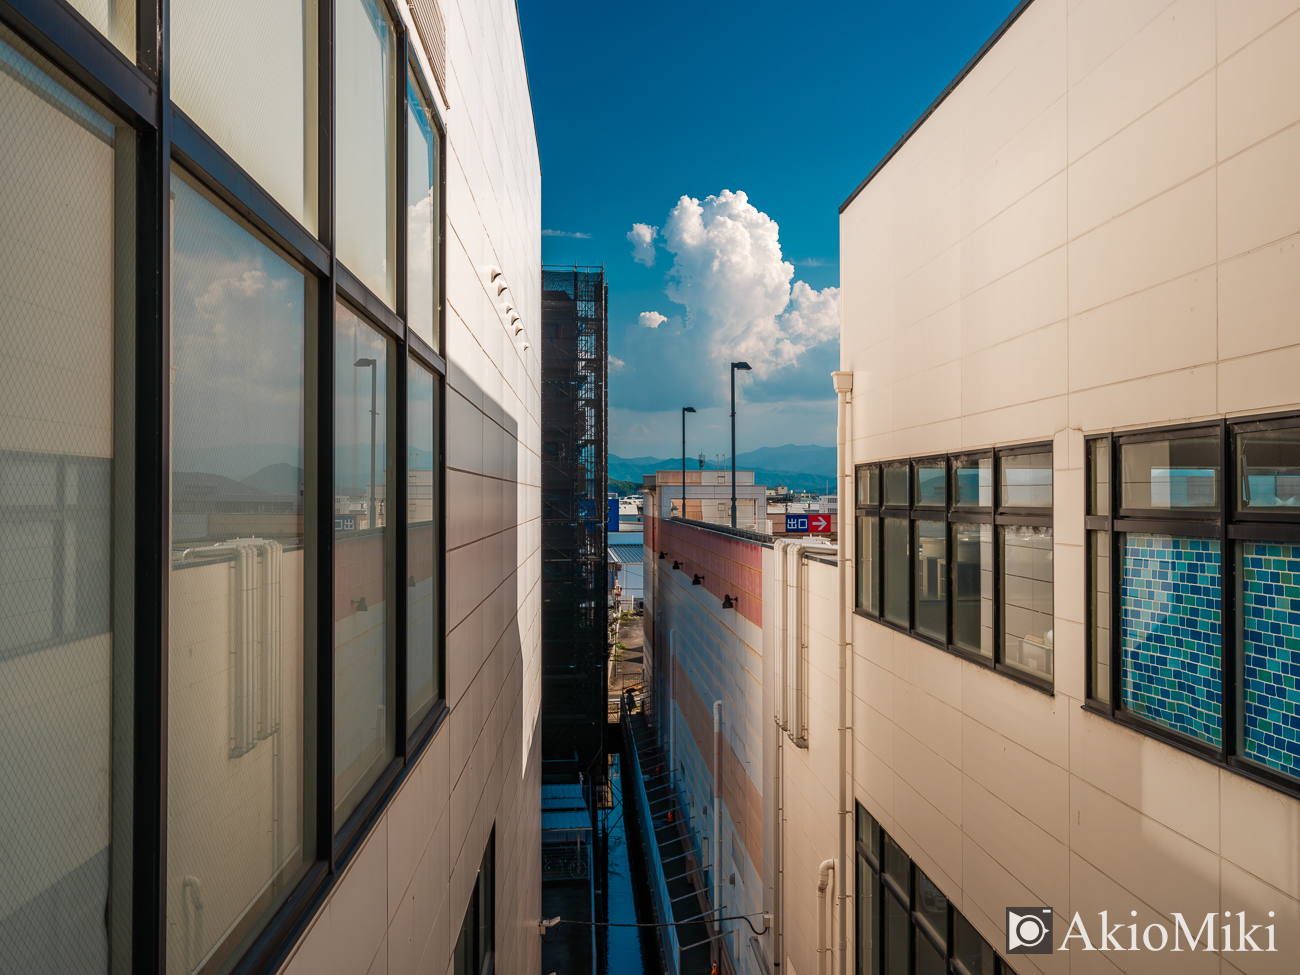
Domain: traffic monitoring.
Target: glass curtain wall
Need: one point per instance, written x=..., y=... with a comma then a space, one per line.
x=66, y=456
x=239, y=752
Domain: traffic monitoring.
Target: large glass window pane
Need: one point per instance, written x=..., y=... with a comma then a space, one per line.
x=896, y=484
x=869, y=485
x=931, y=483
x=1172, y=632
x=972, y=482
x=1099, y=616
x=423, y=583
x=1099, y=477
x=868, y=831
x=1026, y=480
x=932, y=907
x=115, y=19
x=867, y=918
x=238, y=754
x=1268, y=577
x=246, y=72
x=476, y=943
x=897, y=864
x=66, y=498
x=364, y=654
x=423, y=215
x=897, y=934
x=1268, y=465
x=1026, y=599
x=896, y=570
x=929, y=959
x=972, y=611
x=973, y=954
x=931, y=579
x=868, y=567
x=365, y=147
x=1181, y=473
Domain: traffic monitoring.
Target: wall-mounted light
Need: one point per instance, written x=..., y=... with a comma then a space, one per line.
x=360, y=605
x=663, y=555
x=699, y=579
x=676, y=564
x=728, y=602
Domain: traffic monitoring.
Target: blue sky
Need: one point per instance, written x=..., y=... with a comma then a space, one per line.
x=641, y=104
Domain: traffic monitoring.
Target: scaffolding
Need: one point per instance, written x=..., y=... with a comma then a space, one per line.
x=575, y=649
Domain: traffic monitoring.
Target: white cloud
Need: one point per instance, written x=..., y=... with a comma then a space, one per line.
x=642, y=238
x=729, y=274
x=615, y=363
x=651, y=319
x=566, y=233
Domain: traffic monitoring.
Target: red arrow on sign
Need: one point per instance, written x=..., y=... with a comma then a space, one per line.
x=819, y=523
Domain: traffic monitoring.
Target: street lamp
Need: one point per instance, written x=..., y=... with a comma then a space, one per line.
x=685, y=410
x=734, y=366
x=374, y=370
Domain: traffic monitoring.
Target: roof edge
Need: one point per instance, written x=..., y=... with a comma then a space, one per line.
x=934, y=105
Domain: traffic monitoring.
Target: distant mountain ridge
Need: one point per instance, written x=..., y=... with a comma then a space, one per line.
x=805, y=468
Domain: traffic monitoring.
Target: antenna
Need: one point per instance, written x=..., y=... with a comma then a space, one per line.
x=701, y=462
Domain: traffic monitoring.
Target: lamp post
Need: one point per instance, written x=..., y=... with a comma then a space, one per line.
x=734, y=366
x=374, y=369
x=685, y=410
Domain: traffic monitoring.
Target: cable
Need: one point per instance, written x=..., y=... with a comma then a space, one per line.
x=656, y=924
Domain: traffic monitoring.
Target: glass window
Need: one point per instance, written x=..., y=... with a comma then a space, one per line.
x=896, y=484
x=931, y=907
x=423, y=215
x=246, y=72
x=476, y=943
x=115, y=19
x=1180, y=473
x=972, y=482
x=974, y=955
x=1026, y=480
x=1099, y=616
x=1026, y=599
x=1170, y=605
x=1268, y=463
x=929, y=959
x=867, y=920
x=896, y=570
x=423, y=584
x=972, y=611
x=897, y=934
x=1099, y=477
x=897, y=865
x=931, y=484
x=868, y=831
x=238, y=753
x=930, y=579
x=66, y=530
x=365, y=114
x=868, y=566
x=364, y=648
x=1268, y=580
x=869, y=485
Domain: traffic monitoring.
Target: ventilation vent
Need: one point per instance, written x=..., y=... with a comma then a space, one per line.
x=433, y=32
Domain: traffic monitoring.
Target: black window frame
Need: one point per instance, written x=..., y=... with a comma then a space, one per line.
x=1227, y=525
x=993, y=514
x=138, y=91
x=906, y=897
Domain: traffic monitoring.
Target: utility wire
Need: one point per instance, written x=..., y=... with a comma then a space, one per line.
x=655, y=924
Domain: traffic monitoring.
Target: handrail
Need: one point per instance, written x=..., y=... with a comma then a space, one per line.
x=659, y=886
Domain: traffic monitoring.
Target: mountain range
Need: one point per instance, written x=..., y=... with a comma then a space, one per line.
x=805, y=468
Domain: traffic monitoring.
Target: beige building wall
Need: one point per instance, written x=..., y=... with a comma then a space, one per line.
x=398, y=907
x=1096, y=230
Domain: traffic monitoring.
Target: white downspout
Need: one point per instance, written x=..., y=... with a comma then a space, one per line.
x=843, y=389
x=717, y=826
x=824, y=874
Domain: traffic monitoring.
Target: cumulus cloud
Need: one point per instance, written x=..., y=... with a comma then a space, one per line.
x=615, y=363
x=566, y=233
x=651, y=319
x=642, y=238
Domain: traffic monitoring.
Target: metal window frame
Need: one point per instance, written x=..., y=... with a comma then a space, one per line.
x=139, y=93
x=1228, y=526
x=871, y=511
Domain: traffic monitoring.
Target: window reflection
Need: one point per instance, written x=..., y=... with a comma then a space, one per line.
x=896, y=570
x=1026, y=480
x=364, y=646
x=1171, y=474
x=237, y=753
x=1027, y=599
x=972, y=610
x=931, y=579
x=1269, y=465
x=423, y=219
x=423, y=626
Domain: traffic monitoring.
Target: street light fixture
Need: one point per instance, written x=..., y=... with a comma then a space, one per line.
x=745, y=367
x=685, y=410
x=374, y=370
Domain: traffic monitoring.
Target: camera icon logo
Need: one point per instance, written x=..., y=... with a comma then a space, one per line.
x=1029, y=930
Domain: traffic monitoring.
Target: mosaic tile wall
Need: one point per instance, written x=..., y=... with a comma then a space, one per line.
x=1172, y=632
x=1270, y=649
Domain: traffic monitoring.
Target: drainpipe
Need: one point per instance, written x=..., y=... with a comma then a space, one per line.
x=824, y=874
x=717, y=826
x=844, y=389
x=672, y=706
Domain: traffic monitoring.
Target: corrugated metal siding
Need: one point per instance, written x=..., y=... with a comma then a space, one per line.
x=433, y=32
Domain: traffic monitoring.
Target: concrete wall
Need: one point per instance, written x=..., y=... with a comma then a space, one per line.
x=1096, y=230
x=398, y=907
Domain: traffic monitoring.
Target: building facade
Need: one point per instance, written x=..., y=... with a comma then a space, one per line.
x=269, y=448
x=708, y=497
x=1069, y=311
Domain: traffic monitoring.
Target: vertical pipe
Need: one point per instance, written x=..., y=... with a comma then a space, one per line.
x=717, y=825
x=843, y=386
x=670, y=507
x=733, y=445
x=824, y=874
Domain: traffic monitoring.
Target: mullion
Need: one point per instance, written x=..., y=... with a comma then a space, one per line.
x=399, y=513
